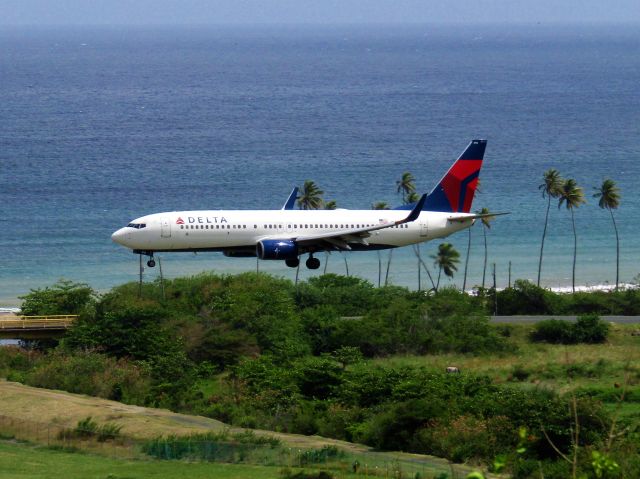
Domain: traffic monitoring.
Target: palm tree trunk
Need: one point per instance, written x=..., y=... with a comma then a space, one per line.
x=466, y=262
x=379, y=268
x=615, y=227
x=346, y=265
x=575, y=252
x=416, y=251
x=426, y=268
x=484, y=268
x=419, y=267
x=438, y=283
x=544, y=234
x=386, y=278
x=326, y=263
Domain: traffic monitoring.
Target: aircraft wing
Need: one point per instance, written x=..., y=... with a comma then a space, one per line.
x=340, y=239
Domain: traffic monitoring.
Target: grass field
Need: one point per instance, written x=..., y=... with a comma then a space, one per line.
x=603, y=370
x=23, y=461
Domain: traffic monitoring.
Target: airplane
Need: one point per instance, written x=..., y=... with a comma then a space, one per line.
x=287, y=234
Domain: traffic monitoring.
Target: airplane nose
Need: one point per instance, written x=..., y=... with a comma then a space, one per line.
x=119, y=236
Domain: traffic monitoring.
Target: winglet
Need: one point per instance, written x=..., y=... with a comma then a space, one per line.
x=415, y=212
x=291, y=201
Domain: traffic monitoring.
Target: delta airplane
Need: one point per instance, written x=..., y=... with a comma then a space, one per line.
x=286, y=234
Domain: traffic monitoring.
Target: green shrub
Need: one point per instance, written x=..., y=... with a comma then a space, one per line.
x=587, y=329
x=527, y=298
x=64, y=297
x=520, y=373
x=88, y=428
x=319, y=456
x=590, y=329
x=553, y=331
x=287, y=473
x=93, y=374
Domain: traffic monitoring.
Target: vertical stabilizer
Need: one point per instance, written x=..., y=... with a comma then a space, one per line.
x=454, y=193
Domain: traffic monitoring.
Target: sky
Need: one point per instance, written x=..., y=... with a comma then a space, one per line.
x=247, y=12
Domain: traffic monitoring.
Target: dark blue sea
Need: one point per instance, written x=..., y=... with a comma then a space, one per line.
x=102, y=125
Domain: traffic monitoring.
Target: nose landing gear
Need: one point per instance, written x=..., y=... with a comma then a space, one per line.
x=151, y=263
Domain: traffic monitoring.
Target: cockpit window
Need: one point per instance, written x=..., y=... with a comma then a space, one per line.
x=137, y=225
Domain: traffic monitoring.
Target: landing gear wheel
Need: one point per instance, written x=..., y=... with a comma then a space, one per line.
x=292, y=263
x=151, y=263
x=313, y=263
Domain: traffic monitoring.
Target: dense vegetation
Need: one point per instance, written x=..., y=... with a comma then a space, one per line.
x=259, y=351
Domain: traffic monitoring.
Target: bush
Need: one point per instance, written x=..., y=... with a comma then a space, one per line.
x=64, y=297
x=587, y=329
x=318, y=456
x=590, y=329
x=527, y=298
x=93, y=374
x=87, y=428
x=552, y=331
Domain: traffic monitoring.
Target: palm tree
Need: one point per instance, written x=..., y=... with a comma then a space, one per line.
x=412, y=197
x=485, y=221
x=572, y=196
x=446, y=261
x=381, y=205
x=609, y=195
x=550, y=187
x=310, y=196
x=406, y=185
x=330, y=205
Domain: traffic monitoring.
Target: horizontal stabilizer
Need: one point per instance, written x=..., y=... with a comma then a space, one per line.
x=465, y=217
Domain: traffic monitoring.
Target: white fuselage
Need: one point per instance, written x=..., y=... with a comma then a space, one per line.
x=218, y=230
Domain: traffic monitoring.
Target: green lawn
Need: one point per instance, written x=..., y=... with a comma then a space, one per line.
x=24, y=461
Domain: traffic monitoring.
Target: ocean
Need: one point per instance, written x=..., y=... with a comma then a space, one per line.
x=102, y=125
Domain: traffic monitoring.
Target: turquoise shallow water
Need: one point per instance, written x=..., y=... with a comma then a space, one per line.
x=99, y=126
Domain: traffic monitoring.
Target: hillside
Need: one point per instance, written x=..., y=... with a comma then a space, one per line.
x=31, y=405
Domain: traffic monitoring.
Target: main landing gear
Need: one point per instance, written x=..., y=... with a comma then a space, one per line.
x=311, y=263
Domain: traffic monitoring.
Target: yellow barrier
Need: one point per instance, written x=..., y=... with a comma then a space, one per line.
x=58, y=321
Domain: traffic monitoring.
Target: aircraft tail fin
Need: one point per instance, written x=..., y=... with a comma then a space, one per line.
x=454, y=193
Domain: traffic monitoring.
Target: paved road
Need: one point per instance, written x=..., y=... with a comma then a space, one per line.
x=533, y=319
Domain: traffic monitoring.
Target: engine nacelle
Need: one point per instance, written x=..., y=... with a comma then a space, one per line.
x=277, y=249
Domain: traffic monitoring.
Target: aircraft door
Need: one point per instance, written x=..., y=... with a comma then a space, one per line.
x=165, y=228
x=424, y=229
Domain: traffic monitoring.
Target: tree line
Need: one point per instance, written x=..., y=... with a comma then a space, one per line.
x=566, y=191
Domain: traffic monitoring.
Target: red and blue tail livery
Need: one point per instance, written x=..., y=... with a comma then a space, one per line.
x=454, y=193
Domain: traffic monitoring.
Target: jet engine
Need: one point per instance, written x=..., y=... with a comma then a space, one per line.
x=277, y=249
